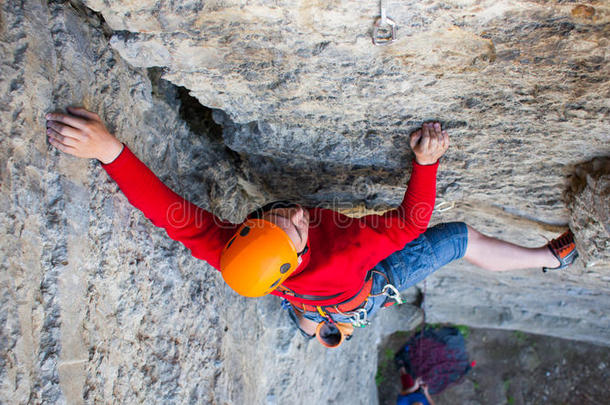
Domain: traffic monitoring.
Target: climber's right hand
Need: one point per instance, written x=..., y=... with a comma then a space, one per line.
x=82, y=133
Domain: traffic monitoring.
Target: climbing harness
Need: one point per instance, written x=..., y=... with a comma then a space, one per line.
x=329, y=332
x=358, y=317
x=288, y=307
x=384, y=28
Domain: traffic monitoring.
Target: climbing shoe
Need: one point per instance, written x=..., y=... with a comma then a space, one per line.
x=564, y=249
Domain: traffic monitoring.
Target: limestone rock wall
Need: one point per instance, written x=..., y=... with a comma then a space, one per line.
x=588, y=199
x=98, y=306
x=523, y=85
x=322, y=116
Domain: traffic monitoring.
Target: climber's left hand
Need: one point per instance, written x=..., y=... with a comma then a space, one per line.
x=82, y=133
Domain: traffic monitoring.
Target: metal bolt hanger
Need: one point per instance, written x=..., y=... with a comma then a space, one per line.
x=384, y=28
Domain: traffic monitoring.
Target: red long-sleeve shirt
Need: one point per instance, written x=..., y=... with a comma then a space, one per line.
x=341, y=249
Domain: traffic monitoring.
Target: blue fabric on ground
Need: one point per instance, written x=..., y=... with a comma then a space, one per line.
x=412, y=398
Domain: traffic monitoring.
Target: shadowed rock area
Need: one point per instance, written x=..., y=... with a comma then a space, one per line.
x=99, y=306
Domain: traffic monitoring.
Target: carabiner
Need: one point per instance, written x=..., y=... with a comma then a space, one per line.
x=444, y=206
x=391, y=292
x=359, y=319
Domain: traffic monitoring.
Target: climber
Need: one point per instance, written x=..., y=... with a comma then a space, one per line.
x=333, y=271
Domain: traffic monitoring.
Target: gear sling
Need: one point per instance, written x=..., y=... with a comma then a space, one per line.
x=330, y=333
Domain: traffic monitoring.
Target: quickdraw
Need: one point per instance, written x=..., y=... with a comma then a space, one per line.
x=384, y=28
x=359, y=320
x=391, y=292
x=358, y=317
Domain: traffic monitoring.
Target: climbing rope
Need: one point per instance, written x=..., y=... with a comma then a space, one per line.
x=418, y=349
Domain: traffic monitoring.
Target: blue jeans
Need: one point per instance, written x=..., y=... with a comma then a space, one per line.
x=404, y=268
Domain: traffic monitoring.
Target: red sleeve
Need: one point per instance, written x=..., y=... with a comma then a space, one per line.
x=201, y=232
x=412, y=217
x=418, y=203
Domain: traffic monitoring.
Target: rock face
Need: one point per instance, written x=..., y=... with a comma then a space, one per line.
x=589, y=202
x=511, y=79
x=97, y=305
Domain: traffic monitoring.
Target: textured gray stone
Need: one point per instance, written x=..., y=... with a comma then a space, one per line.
x=82, y=308
x=98, y=306
x=588, y=199
x=514, y=80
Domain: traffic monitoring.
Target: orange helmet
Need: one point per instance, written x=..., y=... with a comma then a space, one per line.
x=258, y=258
